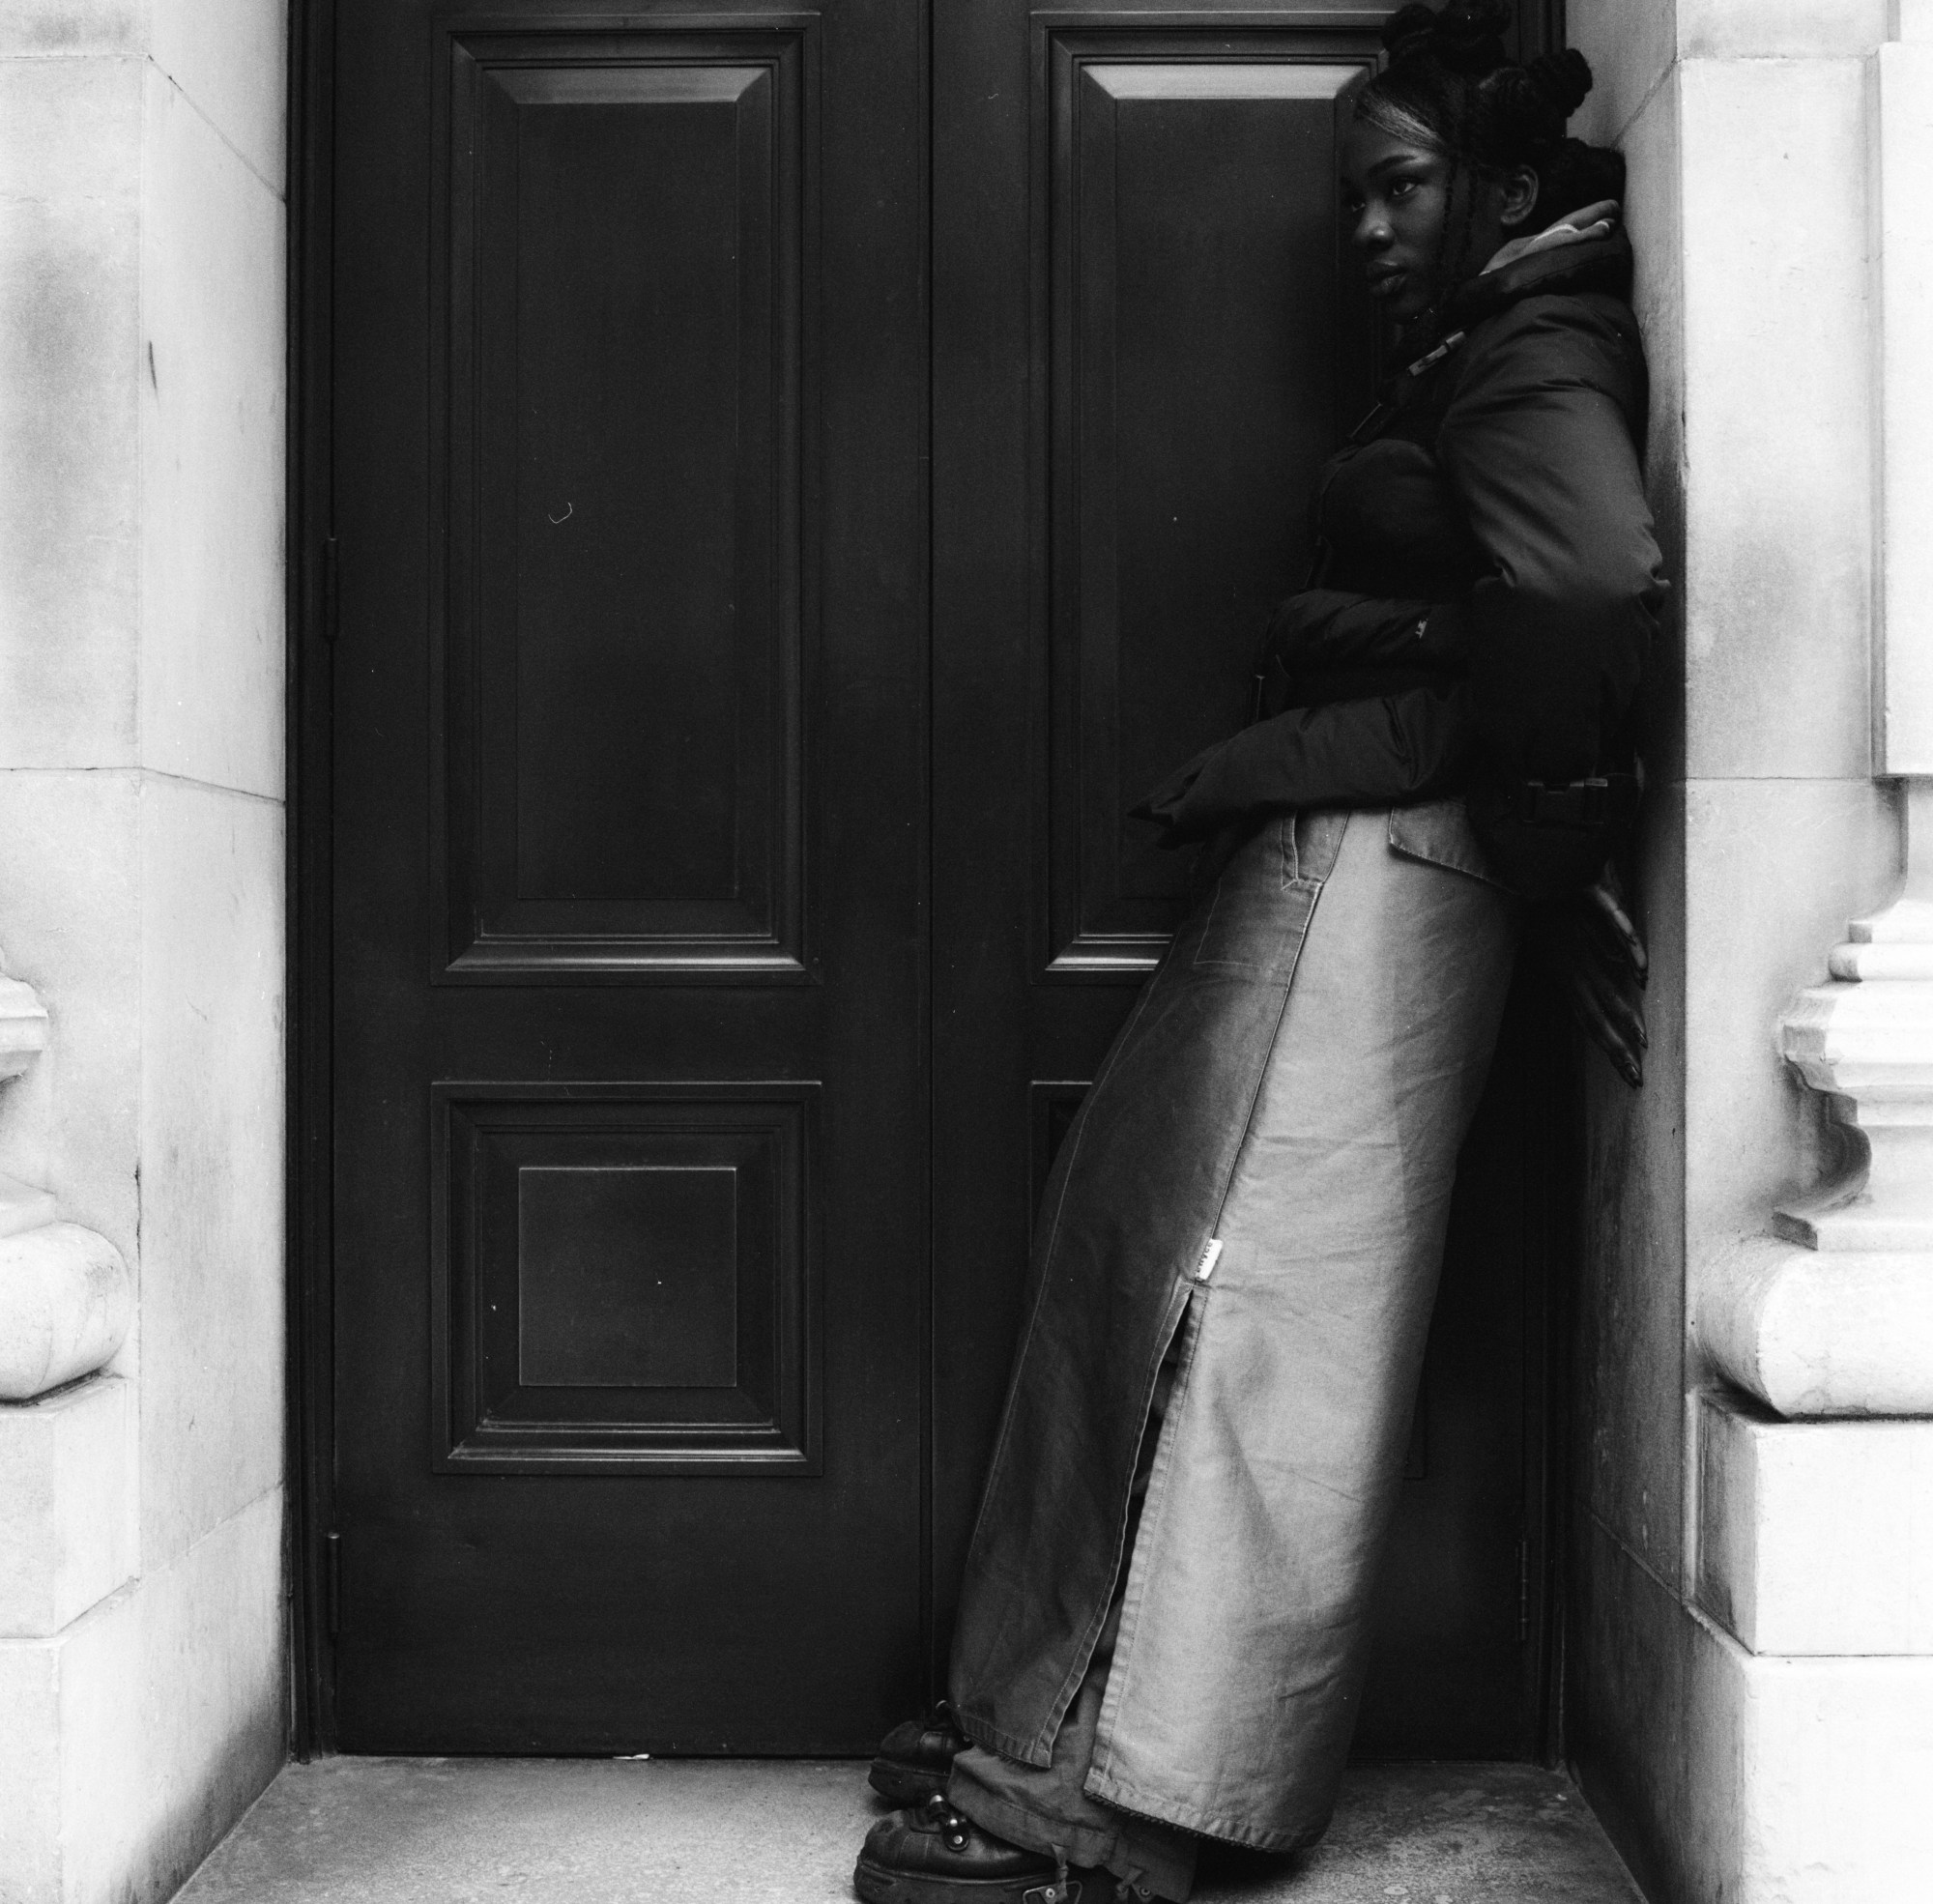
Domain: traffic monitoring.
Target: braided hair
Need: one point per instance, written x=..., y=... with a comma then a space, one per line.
x=1450, y=85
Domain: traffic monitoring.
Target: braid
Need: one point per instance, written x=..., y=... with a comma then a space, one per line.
x=1455, y=246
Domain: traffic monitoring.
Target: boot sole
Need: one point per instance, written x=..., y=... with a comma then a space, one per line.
x=876, y=1884
x=908, y=1785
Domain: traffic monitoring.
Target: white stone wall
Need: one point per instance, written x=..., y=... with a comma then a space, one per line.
x=1753, y=1761
x=142, y=336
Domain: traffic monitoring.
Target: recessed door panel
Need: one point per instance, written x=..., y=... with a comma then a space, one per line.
x=623, y=314
x=622, y=1276
x=1203, y=341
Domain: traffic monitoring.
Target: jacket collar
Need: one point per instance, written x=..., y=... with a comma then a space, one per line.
x=1602, y=265
x=1592, y=263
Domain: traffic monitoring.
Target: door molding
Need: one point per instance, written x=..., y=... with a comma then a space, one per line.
x=310, y=606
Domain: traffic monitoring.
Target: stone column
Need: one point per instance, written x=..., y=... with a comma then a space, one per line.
x=143, y=1668
x=1815, y=1483
x=1749, y=1695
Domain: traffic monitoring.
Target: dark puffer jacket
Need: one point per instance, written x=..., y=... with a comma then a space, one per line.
x=1488, y=583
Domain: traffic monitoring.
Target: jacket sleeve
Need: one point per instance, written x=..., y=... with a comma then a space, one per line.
x=1333, y=644
x=1537, y=445
x=1328, y=630
x=1398, y=747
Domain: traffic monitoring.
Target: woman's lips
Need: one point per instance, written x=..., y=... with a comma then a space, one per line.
x=1385, y=280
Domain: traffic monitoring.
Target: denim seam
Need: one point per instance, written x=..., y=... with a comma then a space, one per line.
x=1174, y=1320
x=1261, y=1070
x=1153, y=1524
x=1043, y=1740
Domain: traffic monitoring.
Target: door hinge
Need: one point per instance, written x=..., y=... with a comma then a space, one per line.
x=331, y=1564
x=1524, y=1590
x=331, y=597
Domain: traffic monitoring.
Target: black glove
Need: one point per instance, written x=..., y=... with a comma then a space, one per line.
x=1330, y=632
x=1603, y=966
x=1382, y=752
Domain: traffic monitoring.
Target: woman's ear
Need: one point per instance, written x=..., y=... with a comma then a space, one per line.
x=1516, y=196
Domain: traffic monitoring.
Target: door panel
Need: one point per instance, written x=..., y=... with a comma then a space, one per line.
x=624, y=510
x=1139, y=205
x=629, y=375
x=623, y=1275
x=1197, y=349
x=1110, y=530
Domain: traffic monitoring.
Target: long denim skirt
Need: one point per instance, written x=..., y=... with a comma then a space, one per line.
x=1315, y=1232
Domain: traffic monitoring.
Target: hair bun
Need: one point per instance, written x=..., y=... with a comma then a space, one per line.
x=1560, y=81
x=1409, y=31
x=1469, y=36
x=1466, y=36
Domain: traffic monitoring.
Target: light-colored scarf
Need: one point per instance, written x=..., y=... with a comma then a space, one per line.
x=1596, y=220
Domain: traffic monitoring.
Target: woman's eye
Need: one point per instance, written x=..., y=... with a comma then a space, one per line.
x=1402, y=188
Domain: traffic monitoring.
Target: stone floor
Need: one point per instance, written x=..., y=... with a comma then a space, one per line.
x=358, y=1830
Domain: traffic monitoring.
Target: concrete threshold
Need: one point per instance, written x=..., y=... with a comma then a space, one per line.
x=367, y=1831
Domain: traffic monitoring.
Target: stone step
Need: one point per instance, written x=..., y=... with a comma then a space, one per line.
x=369, y=1830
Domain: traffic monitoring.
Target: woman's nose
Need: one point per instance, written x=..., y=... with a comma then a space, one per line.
x=1373, y=232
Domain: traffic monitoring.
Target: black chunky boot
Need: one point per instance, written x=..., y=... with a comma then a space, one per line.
x=935, y=1855
x=916, y=1756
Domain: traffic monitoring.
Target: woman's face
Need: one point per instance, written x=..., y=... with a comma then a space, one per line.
x=1401, y=197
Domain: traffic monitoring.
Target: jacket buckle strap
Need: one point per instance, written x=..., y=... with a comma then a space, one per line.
x=1062, y=1890
x=1585, y=804
x=1430, y=358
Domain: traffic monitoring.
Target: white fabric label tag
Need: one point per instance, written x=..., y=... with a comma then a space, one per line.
x=1211, y=1255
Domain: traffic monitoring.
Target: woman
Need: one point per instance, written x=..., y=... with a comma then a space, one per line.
x=1160, y=1629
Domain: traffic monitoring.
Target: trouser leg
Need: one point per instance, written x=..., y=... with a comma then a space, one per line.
x=1047, y=1807
x=1243, y=1634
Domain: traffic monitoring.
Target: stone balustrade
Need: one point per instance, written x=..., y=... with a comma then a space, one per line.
x=66, y=1303
x=1833, y=1313
x=66, y=1296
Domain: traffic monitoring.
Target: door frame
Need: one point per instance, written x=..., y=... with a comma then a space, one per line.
x=310, y=606
x=309, y=614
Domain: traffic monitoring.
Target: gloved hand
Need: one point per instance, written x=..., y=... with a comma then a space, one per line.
x=1396, y=748
x=1334, y=632
x=1605, y=968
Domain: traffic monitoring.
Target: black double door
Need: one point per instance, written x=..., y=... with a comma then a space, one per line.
x=792, y=476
